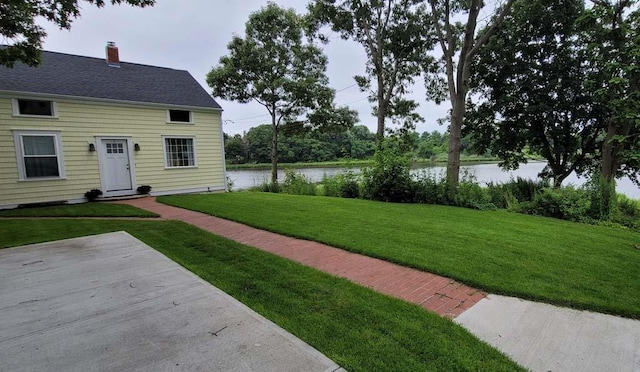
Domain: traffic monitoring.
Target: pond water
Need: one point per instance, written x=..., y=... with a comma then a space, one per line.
x=484, y=173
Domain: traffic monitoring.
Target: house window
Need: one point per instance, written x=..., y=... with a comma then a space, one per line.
x=115, y=148
x=179, y=116
x=30, y=107
x=39, y=154
x=179, y=152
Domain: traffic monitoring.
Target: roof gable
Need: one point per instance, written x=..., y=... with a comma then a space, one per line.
x=78, y=76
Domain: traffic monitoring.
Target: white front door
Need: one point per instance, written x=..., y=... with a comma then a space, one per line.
x=116, y=166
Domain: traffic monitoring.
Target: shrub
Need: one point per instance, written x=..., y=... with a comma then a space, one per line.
x=471, y=195
x=565, y=203
x=144, y=189
x=330, y=186
x=344, y=185
x=602, y=196
x=431, y=188
x=273, y=187
x=298, y=184
x=524, y=189
x=93, y=194
x=497, y=195
x=230, y=184
x=514, y=194
x=627, y=212
x=349, y=186
x=389, y=179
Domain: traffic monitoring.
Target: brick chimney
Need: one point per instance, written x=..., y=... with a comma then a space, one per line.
x=113, y=59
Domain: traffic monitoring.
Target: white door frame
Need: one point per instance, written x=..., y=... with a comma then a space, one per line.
x=102, y=156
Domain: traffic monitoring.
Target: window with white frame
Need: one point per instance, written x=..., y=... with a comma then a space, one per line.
x=179, y=152
x=39, y=154
x=33, y=107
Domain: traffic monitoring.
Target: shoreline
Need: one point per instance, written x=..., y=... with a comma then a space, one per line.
x=355, y=164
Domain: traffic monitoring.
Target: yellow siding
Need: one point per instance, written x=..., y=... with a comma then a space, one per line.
x=81, y=122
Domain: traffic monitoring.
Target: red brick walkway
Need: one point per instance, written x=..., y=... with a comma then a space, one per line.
x=435, y=293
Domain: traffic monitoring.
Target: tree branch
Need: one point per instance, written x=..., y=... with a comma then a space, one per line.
x=436, y=22
x=506, y=8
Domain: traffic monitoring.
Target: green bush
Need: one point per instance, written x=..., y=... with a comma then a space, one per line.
x=497, y=195
x=627, y=212
x=510, y=195
x=524, y=189
x=603, y=198
x=343, y=185
x=472, y=195
x=268, y=187
x=565, y=203
x=389, y=179
x=298, y=184
x=330, y=186
x=431, y=188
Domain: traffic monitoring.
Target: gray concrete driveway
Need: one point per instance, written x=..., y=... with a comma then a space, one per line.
x=111, y=303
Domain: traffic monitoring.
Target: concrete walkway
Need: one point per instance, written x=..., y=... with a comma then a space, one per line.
x=540, y=337
x=435, y=293
x=111, y=303
x=545, y=338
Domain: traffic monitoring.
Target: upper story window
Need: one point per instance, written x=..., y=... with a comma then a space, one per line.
x=32, y=107
x=179, y=116
x=39, y=154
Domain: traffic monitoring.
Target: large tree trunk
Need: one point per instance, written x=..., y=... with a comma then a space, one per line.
x=382, y=111
x=380, y=131
x=455, y=143
x=611, y=149
x=608, y=158
x=274, y=150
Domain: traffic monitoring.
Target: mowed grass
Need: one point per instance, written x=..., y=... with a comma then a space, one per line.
x=356, y=327
x=560, y=262
x=79, y=210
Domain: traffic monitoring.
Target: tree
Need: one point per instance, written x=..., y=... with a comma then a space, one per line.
x=395, y=35
x=461, y=39
x=274, y=66
x=258, y=143
x=531, y=77
x=234, y=149
x=17, y=25
x=362, y=142
x=612, y=31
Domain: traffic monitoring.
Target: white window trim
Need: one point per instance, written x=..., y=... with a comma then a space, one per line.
x=17, y=140
x=164, y=152
x=180, y=122
x=16, y=108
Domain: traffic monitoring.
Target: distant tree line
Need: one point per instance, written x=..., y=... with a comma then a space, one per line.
x=358, y=142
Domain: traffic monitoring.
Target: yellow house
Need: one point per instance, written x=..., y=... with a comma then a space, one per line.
x=77, y=123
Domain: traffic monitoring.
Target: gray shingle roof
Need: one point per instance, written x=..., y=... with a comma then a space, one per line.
x=78, y=76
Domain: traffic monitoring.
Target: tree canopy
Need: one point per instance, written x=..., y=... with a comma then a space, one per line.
x=24, y=36
x=277, y=66
x=611, y=32
x=395, y=34
x=531, y=79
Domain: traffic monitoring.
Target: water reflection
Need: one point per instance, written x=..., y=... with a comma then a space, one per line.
x=484, y=173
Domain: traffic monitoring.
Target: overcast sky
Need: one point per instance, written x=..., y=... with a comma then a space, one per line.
x=192, y=35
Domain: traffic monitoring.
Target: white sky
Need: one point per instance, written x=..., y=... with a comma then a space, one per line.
x=193, y=34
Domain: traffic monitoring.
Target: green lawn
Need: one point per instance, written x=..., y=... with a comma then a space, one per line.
x=356, y=327
x=79, y=210
x=561, y=262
